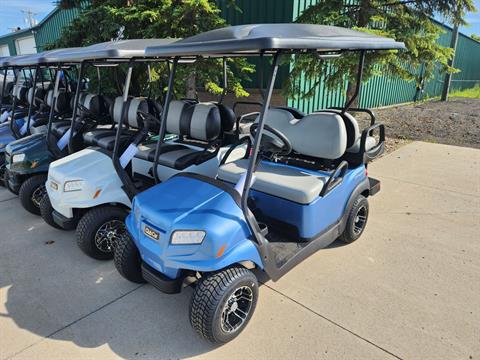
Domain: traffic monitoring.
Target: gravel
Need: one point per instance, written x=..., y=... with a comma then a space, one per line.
x=455, y=122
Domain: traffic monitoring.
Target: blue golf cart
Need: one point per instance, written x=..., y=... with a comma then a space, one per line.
x=301, y=185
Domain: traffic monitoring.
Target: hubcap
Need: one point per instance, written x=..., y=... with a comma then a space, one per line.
x=360, y=220
x=108, y=234
x=38, y=195
x=236, y=309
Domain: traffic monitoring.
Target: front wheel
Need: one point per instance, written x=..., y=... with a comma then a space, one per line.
x=223, y=303
x=46, y=210
x=127, y=260
x=32, y=192
x=356, y=221
x=99, y=230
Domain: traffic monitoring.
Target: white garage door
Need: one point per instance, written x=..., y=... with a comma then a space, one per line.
x=4, y=50
x=26, y=45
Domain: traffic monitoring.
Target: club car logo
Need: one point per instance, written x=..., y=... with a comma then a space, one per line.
x=151, y=233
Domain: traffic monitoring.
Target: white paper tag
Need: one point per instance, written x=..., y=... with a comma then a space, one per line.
x=128, y=155
x=23, y=129
x=4, y=116
x=241, y=183
x=64, y=140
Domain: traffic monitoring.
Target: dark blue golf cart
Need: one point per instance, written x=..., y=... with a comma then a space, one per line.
x=301, y=185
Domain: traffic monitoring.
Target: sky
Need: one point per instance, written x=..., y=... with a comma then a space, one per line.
x=11, y=15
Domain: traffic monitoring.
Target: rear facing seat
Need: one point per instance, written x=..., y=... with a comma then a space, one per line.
x=318, y=135
x=204, y=123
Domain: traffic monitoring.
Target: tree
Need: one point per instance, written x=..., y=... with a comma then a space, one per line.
x=101, y=20
x=476, y=37
x=404, y=20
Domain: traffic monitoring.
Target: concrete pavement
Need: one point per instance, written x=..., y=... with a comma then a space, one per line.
x=409, y=288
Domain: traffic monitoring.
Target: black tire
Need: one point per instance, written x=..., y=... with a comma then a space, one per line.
x=31, y=193
x=7, y=185
x=210, y=298
x=356, y=221
x=90, y=226
x=46, y=211
x=2, y=169
x=127, y=260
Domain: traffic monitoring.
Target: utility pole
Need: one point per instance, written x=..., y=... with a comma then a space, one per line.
x=448, y=76
x=30, y=17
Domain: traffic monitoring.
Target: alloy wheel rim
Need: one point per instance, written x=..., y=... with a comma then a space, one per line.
x=38, y=195
x=237, y=308
x=360, y=220
x=108, y=234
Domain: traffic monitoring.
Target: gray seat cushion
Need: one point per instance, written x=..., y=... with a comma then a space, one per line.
x=174, y=156
x=278, y=180
x=105, y=137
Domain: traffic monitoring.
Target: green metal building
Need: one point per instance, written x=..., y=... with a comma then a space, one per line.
x=378, y=91
x=35, y=39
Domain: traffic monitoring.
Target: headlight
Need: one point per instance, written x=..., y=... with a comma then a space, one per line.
x=185, y=237
x=18, y=158
x=74, y=185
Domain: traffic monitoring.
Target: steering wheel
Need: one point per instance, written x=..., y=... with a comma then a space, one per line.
x=40, y=100
x=147, y=117
x=273, y=141
x=85, y=111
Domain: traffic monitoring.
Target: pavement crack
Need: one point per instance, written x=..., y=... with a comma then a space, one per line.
x=74, y=322
x=334, y=323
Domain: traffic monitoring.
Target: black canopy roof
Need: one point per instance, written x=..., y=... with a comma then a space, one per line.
x=121, y=49
x=257, y=38
x=42, y=58
x=12, y=60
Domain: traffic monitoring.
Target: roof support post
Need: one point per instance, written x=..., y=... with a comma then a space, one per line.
x=225, y=81
x=254, y=227
x=14, y=102
x=4, y=85
x=32, y=100
x=52, y=110
x=123, y=113
x=163, y=119
x=81, y=72
x=358, y=85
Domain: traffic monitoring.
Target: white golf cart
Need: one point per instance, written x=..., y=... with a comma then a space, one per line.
x=91, y=190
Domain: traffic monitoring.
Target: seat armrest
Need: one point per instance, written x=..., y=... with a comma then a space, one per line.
x=368, y=132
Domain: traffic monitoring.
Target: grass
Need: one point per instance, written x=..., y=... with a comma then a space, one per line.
x=473, y=93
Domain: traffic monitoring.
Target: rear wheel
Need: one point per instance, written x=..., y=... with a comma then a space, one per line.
x=99, y=230
x=223, y=303
x=31, y=193
x=46, y=210
x=357, y=220
x=127, y=260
